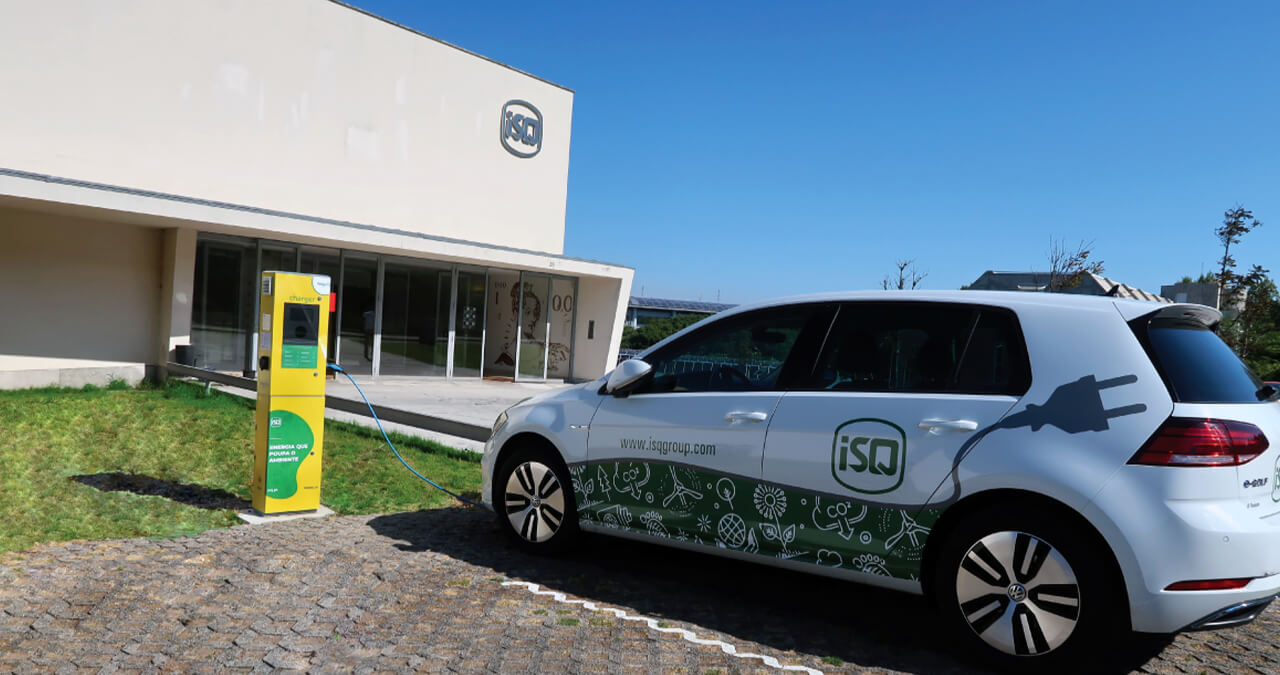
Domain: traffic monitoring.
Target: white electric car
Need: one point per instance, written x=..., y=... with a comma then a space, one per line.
x=1049, y=468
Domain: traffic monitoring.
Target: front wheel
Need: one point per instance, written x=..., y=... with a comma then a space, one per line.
x=1026, y=591
x=533, y=496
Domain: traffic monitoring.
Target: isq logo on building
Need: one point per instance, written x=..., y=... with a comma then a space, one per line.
x=869, y=455
x=521, y=128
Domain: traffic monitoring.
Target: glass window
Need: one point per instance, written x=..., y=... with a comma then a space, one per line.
x=561, y=335
x=742, y=353
x=222, y=311
x=501, y=325
x=1198, y=366
x=995, y=359
x=357, y=324
x=279, y=260
x=534, y=304
x=922, y=348
x=415, y=320
x=469, y=324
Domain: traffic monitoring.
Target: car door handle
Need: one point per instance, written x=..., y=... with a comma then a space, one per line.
x=746, y=417
x=955, y=425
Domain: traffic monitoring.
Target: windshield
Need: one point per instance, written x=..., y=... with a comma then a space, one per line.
x=1198, y=366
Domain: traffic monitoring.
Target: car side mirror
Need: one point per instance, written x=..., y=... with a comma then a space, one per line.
x=629, y=376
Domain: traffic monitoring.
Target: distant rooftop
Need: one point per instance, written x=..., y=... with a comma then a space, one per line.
x=1090, y=284
x=696, y=306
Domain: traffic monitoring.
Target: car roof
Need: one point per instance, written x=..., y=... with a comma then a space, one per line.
x=1011, y=299
x=1129, y=309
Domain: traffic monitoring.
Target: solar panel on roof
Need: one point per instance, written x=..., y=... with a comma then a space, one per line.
x=678, y=305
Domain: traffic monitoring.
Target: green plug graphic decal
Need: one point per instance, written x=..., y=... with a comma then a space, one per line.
x=699, y=507
x=289, y=441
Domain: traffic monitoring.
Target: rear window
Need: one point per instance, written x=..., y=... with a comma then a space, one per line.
x=1197, y=365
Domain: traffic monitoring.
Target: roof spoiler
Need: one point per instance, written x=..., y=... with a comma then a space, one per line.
x=1202, y=314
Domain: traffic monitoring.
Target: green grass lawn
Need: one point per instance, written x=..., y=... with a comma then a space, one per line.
x=196, y=444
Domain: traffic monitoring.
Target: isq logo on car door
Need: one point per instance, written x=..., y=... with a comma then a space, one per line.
x=521, y=131
x=869, y=455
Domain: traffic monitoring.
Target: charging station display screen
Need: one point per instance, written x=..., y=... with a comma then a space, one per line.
x=300, y=338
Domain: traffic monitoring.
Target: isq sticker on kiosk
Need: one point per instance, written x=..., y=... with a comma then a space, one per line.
x=294, y=329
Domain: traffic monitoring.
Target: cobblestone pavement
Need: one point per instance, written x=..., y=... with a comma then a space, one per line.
x=425, y=591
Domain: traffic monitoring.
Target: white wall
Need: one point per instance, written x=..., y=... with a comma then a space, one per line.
x=303, y=106
x=78, y=299
x=174, y=302
x=603, y=300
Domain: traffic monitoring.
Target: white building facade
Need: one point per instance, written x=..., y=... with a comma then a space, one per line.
x=155, y=157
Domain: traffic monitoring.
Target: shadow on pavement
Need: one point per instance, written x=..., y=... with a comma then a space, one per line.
x=861, y=626
x=184, y=493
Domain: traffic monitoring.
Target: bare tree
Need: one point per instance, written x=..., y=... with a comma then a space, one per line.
x=1067, y=266
x=908, y=276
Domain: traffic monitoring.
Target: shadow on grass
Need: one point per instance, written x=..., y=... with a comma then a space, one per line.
x=845, y=624
x=183, y=493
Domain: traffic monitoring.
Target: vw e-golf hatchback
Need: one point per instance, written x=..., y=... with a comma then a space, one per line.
x=1048, y=468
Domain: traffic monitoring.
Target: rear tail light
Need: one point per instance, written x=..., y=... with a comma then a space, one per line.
x=1209, y=585
x=1183, y=441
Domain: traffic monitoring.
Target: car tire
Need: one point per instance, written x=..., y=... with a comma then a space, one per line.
x=533, y=497
x=1026, y=591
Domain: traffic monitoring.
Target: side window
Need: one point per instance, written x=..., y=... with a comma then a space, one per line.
x=995, y=361
x=922, y=348
x=894, y=347
x=744, y=353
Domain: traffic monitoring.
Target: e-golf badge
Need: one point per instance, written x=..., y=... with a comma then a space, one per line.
x=869, y=455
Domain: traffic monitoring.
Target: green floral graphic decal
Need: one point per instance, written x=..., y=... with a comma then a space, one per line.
x=690, y=505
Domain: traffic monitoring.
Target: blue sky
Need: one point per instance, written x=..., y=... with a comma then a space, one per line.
x=752, y=150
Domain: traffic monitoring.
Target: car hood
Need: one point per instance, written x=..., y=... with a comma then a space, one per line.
x=558, y=394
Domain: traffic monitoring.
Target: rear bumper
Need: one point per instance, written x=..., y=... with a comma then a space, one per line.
x=1233, y=615
x=1175, y=611
x=1165, y=533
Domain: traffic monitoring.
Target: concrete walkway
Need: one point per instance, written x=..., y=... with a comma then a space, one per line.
x=471, y=401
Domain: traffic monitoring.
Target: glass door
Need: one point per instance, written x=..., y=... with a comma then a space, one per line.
x=358, y=318
x=415, y=321
x=469, y=319
x=535, y=310
x=223, y=306
x=501, y=320
x=559, y=352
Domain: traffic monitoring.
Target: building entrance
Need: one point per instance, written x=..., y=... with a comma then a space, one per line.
x=392, y=316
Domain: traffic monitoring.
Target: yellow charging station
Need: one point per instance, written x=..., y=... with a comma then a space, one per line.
x=289, y=444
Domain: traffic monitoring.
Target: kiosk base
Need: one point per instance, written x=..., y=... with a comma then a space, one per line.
x=254, y=517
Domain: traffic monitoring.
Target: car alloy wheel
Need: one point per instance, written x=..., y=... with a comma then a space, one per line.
x=1018, y=593
x=534, y=501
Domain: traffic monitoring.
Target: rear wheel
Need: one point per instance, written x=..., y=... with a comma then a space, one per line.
x=1026, y=591
x=533, y=498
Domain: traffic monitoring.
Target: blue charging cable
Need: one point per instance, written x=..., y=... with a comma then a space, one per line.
x=336, y=367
